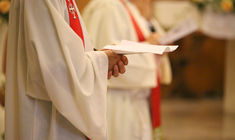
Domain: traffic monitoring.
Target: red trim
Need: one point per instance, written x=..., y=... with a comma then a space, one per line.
x=155, y=94
x=75, y=23
x=155, y=104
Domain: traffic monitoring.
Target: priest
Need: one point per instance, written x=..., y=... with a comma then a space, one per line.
x=56, y=84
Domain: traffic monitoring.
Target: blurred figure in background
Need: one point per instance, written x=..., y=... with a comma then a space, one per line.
x=109, y=22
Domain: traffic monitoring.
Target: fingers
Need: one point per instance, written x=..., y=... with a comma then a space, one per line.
x=116, y=63
x=115, y=71
x=110, y=74
x=113, y=58
x=124, y=60
x=121, y=67
x=153, y=38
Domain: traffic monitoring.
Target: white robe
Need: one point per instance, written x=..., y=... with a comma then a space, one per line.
x=108, y=22
x=54, y=90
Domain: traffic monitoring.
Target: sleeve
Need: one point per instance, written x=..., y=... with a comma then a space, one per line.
x=74, y=80
x=165, y=72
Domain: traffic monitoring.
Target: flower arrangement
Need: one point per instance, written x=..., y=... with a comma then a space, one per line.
x=222, y=6
x=226, y=6
x=4, y=10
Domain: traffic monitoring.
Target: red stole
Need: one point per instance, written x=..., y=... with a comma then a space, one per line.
x=74, y=20
x=155, y=94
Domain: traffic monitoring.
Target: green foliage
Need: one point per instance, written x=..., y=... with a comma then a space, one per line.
x=4, y=16
x=222, y=6
x=4, y=10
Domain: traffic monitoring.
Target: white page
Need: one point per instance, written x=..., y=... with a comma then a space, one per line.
x=183, y=29
x=130, y=47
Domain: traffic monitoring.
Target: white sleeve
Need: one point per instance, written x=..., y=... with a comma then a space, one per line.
x=75, y=81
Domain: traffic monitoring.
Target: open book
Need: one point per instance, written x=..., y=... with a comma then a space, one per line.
x=181, y=30
x=130, y=47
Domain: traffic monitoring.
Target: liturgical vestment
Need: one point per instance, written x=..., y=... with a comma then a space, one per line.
x=56, y=85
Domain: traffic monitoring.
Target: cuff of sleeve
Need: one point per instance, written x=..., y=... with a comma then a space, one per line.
x=101, y=61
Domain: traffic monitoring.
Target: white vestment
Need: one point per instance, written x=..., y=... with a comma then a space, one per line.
x=129, y=118
x=55, y=90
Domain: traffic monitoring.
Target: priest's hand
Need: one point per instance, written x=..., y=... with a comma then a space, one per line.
x=153, y=39
x=116, y=63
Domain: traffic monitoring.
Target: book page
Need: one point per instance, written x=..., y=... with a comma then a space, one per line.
x=183, y=29
x=130, y=47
